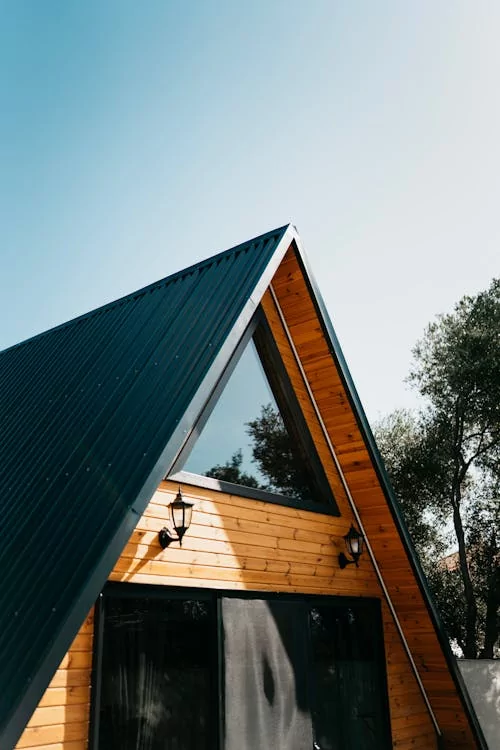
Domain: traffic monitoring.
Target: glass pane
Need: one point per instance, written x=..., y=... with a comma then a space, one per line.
x=249, y=440
x=347, y=688
x=224, y=448
x=157, y=666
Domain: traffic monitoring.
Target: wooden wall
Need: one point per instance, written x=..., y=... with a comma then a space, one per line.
x=61, y=720
x=233, y=543
x=236, y=543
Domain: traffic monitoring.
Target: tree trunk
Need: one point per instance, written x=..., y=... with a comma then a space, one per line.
x=492, y=622
x=470, y=650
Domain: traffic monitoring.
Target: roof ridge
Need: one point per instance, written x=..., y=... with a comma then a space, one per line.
x=153, y=286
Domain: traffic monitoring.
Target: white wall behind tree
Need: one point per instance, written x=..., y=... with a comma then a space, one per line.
x=482, y=678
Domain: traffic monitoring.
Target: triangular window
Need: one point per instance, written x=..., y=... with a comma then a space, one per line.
x=256, y=436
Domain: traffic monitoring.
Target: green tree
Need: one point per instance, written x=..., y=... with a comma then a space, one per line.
x=411, y=454
x=447, y=471
x=483, y=525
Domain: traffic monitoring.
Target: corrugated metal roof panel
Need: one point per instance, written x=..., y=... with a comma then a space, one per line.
x=87, y=413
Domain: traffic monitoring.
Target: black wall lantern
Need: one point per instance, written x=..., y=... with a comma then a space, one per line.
x=354, y=542
x=180, y=514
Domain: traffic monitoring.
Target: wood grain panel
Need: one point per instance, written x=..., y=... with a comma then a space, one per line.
x=60, y=722
x=244, y=543
x=237, y=543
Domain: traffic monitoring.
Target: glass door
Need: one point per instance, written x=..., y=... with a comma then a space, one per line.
x=201, y=670
x=158, y=676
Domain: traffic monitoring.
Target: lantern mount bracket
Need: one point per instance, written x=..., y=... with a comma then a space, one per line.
x=165, y=538
x=344, y=561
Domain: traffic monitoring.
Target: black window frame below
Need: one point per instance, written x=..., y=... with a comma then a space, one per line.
x=133, y=590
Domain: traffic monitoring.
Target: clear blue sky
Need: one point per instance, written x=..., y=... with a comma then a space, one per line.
x=136, y=138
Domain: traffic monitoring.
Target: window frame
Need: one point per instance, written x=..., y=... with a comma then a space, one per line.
x=286, y=400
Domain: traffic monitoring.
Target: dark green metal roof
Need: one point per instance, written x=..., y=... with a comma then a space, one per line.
x=92, y=416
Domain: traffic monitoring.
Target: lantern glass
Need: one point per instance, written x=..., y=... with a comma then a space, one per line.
x=188, y=510
x=354, y=542
x=180, y=513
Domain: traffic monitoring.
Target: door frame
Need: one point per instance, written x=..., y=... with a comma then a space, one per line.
x=133, y=590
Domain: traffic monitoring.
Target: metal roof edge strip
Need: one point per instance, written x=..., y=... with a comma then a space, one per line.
x=16, y=723
x=386, y=486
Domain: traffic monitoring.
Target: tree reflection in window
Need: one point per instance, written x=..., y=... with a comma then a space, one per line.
x=274, y=456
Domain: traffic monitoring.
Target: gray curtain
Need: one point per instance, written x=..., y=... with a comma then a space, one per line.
x=265, y=676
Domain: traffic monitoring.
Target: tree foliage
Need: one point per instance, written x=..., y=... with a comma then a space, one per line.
x=444, y=464
x=411, y=455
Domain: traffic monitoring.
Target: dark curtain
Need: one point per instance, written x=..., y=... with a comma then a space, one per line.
x=265, y=669
x=347, y=705
x=157, y=675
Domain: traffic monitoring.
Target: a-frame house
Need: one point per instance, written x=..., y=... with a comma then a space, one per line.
x=251, y=634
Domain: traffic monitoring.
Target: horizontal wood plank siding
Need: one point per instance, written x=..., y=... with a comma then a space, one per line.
x=61, y=721
x=242, y=544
